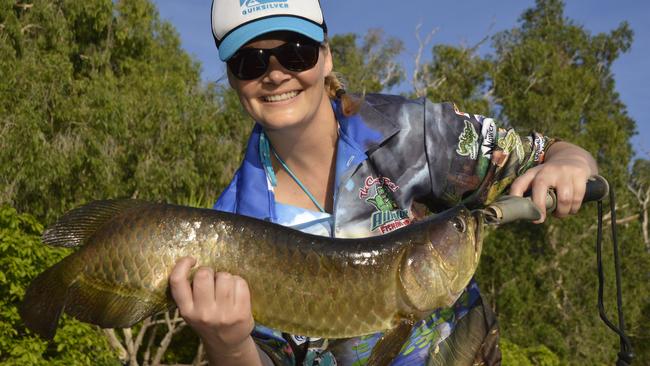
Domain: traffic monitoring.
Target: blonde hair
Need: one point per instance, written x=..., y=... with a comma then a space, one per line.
x=335, y=88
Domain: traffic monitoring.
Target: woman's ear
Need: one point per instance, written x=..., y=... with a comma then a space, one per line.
x=328, y=62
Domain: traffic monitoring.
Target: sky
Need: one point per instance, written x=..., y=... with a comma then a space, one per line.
x=455, y=22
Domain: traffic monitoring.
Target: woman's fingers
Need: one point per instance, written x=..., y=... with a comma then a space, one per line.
x=579, y=189
x=564, y=194
x=523, y=182
x=203, y=287
x=216, y=305
x=180, y=284
x=539, y=184
x=242, y=294
x=224, y=288
x=568, y=181
x=540, y=190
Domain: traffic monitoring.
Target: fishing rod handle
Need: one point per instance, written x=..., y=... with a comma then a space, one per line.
x=596, y=189
x=512, y=208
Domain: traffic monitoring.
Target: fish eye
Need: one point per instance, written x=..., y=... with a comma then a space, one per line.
x=459, y=224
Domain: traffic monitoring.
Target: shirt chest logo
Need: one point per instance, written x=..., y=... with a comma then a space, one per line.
x=388, y=217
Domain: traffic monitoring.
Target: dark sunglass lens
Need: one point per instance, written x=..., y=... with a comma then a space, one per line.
x=249, y=63
x=298, y=56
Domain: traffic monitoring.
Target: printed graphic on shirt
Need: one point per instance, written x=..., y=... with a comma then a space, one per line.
x=540, y=144
x=317, y=353
x=388, y=216
x=468, y=141
x=298, y=339
x=511, y=143
x=371, y=182
x=489, y=134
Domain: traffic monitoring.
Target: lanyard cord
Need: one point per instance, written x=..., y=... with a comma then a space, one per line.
x=304, y=189
x=265, y=148
x=625, y=356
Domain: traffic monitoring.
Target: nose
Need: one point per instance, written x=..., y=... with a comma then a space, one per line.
x=276, y=74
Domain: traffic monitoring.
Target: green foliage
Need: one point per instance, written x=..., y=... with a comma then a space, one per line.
x=100, y=101
x=22, y=257
x=551, y=75
x=369, y=67
x=457, y=75
x=527, y=356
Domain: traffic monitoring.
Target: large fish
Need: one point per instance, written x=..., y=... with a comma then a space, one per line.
x=334, y=288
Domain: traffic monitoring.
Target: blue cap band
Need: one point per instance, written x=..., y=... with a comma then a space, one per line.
x=240, y=36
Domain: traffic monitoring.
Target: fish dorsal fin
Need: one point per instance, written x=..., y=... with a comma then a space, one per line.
x=76, y=226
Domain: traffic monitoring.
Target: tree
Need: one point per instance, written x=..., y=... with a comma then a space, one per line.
x=99, y=101
x=22, y=257
x=459, y=75
x=369, y=67
x=551, y=75
x=639, y=185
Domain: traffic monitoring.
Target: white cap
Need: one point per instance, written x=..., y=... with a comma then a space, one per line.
x=236, y=22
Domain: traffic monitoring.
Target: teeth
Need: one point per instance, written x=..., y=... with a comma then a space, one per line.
x=280, y=97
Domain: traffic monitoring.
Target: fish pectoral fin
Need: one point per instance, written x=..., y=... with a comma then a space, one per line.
x=391, y=343
x=108, y=307
x=474, y=341
x=75, y=227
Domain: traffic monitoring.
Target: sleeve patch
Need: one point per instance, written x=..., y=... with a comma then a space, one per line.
x=468, y=141
x=489, y=133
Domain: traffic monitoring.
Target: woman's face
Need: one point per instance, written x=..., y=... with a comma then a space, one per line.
x=281, y=98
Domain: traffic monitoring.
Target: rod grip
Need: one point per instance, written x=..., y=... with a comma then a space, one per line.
x=597, y=189
x=510, y=208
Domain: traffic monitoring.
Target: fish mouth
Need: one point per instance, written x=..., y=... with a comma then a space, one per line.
x=479, y=219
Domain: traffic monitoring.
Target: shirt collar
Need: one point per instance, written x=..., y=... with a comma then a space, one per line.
x=249, y=193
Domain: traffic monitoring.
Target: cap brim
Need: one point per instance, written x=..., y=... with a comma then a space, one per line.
x=245, y=33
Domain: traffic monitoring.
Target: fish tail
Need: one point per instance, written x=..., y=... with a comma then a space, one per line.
x=64, y=288
x=45, y=300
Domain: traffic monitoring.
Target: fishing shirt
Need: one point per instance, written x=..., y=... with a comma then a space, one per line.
x=397, y=160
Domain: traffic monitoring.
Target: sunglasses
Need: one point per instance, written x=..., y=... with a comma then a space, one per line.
x=251, y=63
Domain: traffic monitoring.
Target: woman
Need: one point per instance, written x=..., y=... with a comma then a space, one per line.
x=323, y=162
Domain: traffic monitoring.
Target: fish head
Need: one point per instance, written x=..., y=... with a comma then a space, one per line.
x=441, y=262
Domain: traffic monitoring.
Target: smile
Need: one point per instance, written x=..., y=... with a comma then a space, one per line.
x=280, y=97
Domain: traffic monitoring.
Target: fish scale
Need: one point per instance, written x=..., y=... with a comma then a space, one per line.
x=300, y=283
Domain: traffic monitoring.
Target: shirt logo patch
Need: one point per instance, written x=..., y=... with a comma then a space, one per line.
x=511, y=143
x=468, y=141
x=489, y=132
x=540, y=144
x=388, y=216
x=379, y=181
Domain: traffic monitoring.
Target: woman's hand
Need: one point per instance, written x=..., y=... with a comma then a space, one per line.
x=218, y=307
x=566, y=168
